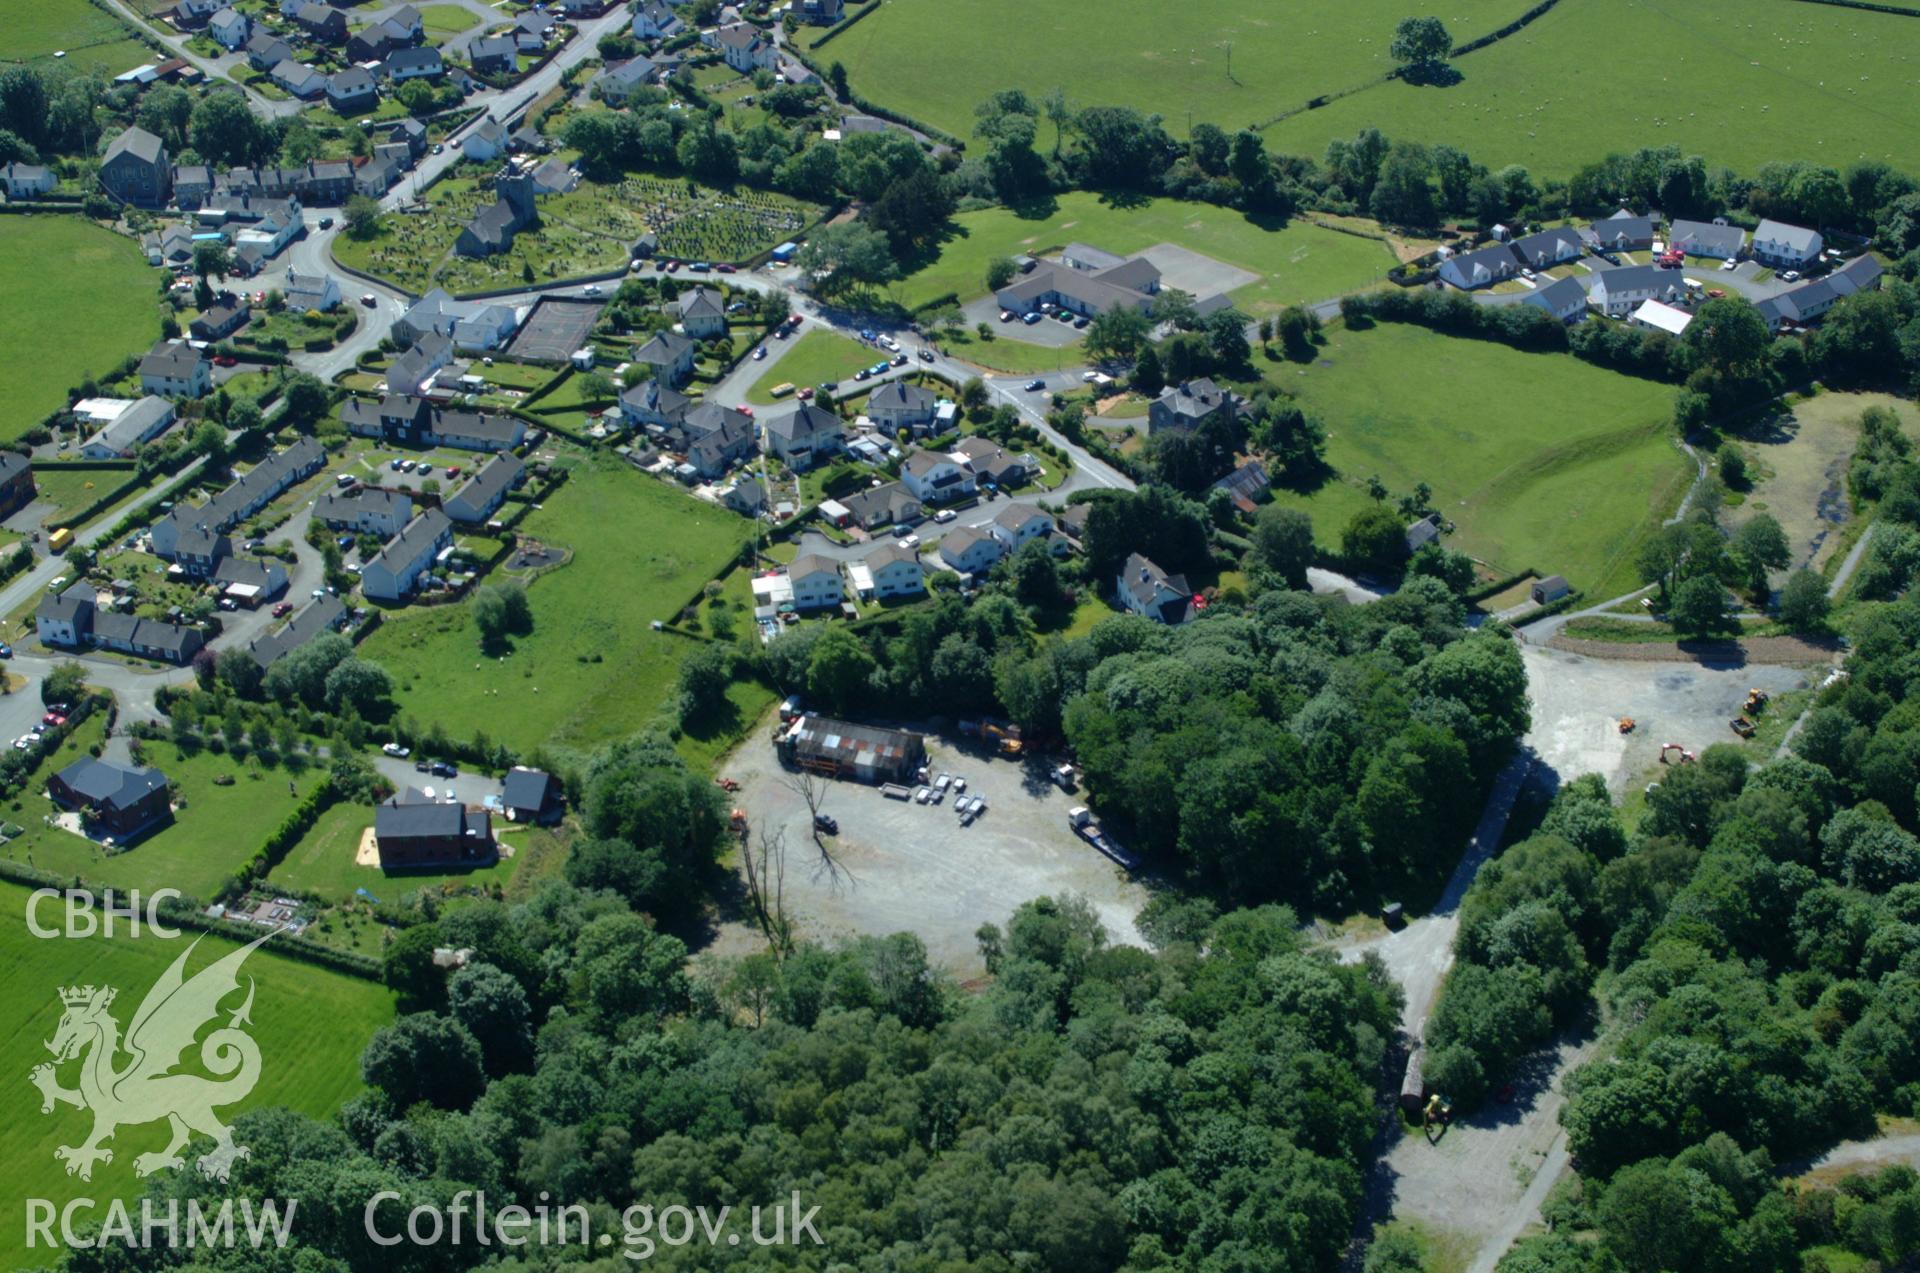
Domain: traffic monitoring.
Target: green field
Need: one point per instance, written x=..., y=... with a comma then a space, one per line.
x=1739, y=82
x=322, y=862
x=593, y=669
x=1231, y=62
x=48, y=341
x=815, y=358
x=1542, y=461
x=310, y=1025
x=1300, y=263
x=89, y=36
x=217, y=827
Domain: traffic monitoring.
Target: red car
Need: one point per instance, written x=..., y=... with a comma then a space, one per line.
x=724, y=269
x=453, y=470
x=53, y=718
x=282, y=610
x=806, y=393
x=226, y=360
x=745, y=410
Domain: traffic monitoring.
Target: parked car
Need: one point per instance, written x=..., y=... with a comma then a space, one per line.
x=442, y=769
x=899, y=360
x=591, y=289
x=1006, y=315
x=282, y=610
x=396, y=750
x=1730, y=264
x=395, y=463
x=6, y=651
x=326, y=223
x=701, y=267
x=910, y=541
x=453, y=470
x=805, y=393
x=821, y=822
x=760, y=353
x=724, y=268
x=866, y=334
x=53, y=718
x=1032, y=318
x=1080, y=322
x=228, y=603
x=926, y=355
x=863, y=374
x=944, y=516
x=1791, y=276
x=369, y=299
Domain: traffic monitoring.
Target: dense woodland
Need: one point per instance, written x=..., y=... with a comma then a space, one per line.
x=1095, y=1108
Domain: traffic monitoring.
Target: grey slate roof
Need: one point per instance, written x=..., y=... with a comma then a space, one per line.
x=115, y=786
x=1718, y=240
x=322, y=616
x=137, y=142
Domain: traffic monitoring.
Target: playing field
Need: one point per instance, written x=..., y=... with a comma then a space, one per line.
x=593, y=669
x=49, y=339
x=310, y=1025
x=89, y=36
x=1301, y=263
x=817, y=357
x=217, y=825
x=1230, y=62
x=1542, y=461
x=1737, y=81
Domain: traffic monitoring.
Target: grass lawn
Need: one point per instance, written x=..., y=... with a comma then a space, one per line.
x=71, y=490
x=214, y=830
x=443, y=20
x=323, y=862
x=48, y=342
x=88, y=35
x=1738, y=81
x=1013, y=356
x=593, y=669
x=1542, y=461
x=815, y=358
x=1233, y=62
x=310, y=1025
x=1300, y=263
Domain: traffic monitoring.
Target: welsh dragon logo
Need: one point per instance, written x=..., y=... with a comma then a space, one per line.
x=142, y=1089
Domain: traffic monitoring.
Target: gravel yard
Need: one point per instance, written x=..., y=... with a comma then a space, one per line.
x=913, y=867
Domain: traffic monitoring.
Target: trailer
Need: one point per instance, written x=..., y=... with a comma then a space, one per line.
x=1080, y=818
x=894, y=791
x=1413, y=1086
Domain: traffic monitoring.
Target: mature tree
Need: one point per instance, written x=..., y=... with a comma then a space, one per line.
x=1403, y=194
x=1760, y=545
x=304, y=400
x=1118, y=333
x=1000, y=272
x=23, y=103
x=1700, y=607
x=1148, y=379
x=493, y=1007
x=1804, y=602
x=240, y=672
x=1227, y=337
x=1374, y=539
x=225, y=131
x=1729, y=336
x=913, y=210
x=361, y=216
x=358, y=684
x=1283, y=543
x=1035, y=576
x=704, y=677
x=1421, y=45
x=424, y=1057
x=844, y=258
x=501, y=611
x=840, y=670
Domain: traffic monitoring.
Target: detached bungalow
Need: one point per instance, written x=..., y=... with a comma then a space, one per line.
x=1484, y=268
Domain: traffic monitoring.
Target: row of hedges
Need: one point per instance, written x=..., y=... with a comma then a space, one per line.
x=282, y=838
x=1473, y=596
x=88, y=466
x=834, y=32
x=1511, y=28
x=1870, y=8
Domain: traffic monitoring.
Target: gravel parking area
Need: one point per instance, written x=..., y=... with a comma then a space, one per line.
x=913, y=867
x=1578, y=701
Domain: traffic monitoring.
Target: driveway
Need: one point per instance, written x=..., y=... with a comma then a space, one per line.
x=469, y=788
